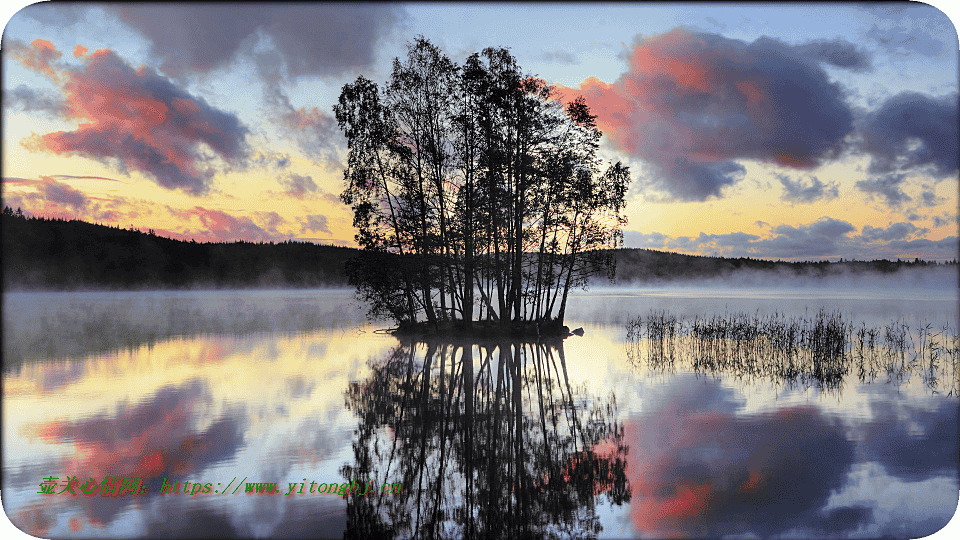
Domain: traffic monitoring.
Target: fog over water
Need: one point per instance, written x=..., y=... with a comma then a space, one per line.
x=287, y=385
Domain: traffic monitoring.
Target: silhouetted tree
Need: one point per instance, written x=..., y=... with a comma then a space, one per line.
x=483, y=182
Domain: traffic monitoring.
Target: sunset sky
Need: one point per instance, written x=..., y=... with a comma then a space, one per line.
x=782, y=131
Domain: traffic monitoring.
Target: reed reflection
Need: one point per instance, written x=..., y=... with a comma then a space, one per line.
x=508, y=450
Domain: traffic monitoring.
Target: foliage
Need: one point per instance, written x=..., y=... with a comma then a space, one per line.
x=481, y=181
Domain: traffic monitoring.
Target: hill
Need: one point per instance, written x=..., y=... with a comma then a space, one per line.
x=55, y=254
x=41, y=253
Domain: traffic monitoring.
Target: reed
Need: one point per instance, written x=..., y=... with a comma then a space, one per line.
x=823, y=350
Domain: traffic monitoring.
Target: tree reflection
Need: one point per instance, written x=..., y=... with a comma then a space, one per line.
x=510, y=450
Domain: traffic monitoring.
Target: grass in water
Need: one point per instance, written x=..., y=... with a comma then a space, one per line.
x=822, y=350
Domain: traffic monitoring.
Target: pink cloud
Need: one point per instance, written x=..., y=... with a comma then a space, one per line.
x=220, y=226
x=139, y=120
x=690, y=104
x=39, y=56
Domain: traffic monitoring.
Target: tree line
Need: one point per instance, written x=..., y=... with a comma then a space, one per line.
x=476, y=193
x=40, y=253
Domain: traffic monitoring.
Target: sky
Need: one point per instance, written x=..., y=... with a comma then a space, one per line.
x=782, y=131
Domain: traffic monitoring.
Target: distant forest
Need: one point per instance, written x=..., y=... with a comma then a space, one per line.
x=56, y=254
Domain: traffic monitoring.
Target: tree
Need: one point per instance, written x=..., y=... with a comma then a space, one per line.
x=482, y=189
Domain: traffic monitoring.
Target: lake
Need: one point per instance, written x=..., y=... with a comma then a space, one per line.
x=681, y=412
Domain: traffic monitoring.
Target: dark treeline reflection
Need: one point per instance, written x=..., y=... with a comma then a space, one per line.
x=509, y=450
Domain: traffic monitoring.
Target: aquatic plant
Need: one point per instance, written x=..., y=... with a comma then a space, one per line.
x=821, y=350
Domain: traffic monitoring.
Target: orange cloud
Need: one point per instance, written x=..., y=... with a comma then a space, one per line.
x=40, y=56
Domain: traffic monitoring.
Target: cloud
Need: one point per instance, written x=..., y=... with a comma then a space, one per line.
x=821, y=239
x=797, y=191
x=913, y=131
x=27, y=99
x=142, y=121
x=62, y=194
x=311, y=39
x=40, y=56
x=838, y=53
x=61, y=15
x=303, y=187
x=51, y=197
x=902, y=40
x=272, y=221
x=896, y=231
x=315, y=223
x=886, y=186
x=219, y=226
x=298, y=186
x=72, y=177
x=316, y=132
x=691, y=104
x=929, y=198
x=559, y=57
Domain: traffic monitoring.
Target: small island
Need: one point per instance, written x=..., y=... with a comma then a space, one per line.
x=478, y=195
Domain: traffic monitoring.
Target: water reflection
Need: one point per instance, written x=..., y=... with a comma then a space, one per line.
x=506, y=449
x=67, y=325
x=487, y=440
x=701, y=466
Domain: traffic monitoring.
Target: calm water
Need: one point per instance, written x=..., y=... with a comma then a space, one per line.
x=594, y=436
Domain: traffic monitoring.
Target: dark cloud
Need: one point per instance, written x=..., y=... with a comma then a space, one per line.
x=194, y=523
x=888, y=187
x=911, y=131
x=62, y=194
x=693, y=103
x=946, y=219
x=315, y=131
x=837, y=53
x=311, y=39
x=827, y=228
x=797, y=191
x=896, y=231
x=559, y=57
x=945, y=248
x=142, y=121
x=272, y=221
x=929, y=198
x=51, y=198
x=316, y=223
x=26, y=99
x=298, y=186
x=688, y=180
